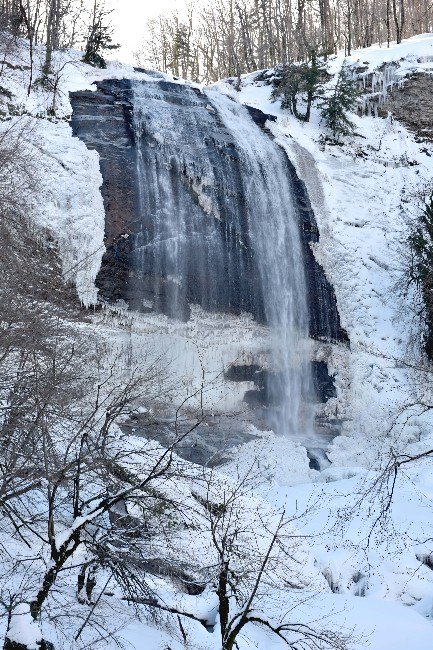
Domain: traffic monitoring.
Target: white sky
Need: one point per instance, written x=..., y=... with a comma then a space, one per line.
x=129, y=20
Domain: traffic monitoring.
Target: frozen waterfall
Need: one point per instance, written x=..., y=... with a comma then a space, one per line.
x=218, y=227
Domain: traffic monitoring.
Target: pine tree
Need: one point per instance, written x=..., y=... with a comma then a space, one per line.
x=336, y=107
x=100, y=37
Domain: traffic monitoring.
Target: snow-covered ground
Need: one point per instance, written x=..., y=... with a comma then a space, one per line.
x=380, y=584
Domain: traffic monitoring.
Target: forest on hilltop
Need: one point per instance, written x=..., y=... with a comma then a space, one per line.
x=228, y=38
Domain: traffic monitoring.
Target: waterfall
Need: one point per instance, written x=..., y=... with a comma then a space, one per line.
x=192, y=245
x=276, y=242
x=218, y=227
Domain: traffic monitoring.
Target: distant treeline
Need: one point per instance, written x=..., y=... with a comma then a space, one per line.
x=226, y=38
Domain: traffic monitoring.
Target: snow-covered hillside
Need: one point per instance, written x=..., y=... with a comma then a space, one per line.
x=369, y=576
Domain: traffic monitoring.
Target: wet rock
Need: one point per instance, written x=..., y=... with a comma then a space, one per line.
x=220, y=272
x=325, y=322
x=324, y=386
x=259, y=117
x=103, y=120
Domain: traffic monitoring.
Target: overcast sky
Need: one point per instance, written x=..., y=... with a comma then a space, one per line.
x=129, y=20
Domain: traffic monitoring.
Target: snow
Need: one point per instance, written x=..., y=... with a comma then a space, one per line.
x=413, y=54
x=378, y=625
x=70, y=204
x=23, y=629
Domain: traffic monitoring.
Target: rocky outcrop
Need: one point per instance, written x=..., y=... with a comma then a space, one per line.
x=104, y=120
x=412, y=104
x=324, y=317
x=323, y=383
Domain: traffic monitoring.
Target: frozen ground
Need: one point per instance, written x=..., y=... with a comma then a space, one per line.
x=380, y=584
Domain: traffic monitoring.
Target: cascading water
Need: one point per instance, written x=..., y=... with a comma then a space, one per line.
x=275, y=238
x=218, y=227
x=189, y=246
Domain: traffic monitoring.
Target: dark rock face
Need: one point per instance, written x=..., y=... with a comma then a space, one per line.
x=221, y=273
x=262, y=395
x=324, y=387
x=324, y=317
x=103, y=120
x=259, y=117
x=11, y=645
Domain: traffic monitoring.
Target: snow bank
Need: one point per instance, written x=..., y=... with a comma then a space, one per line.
x=68, y=200
x=23, y=629
x=413, y=54
x=69, y=203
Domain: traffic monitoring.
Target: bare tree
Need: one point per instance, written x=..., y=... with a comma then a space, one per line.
x=229, y=36
x=256, y=562
x=253, y=566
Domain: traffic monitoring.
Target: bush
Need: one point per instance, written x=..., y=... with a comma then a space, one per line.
x=421, y=266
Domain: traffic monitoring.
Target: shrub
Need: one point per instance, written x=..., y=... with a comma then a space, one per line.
x=421, y=266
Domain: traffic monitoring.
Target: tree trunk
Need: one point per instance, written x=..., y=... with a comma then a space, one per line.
x=51, y=38
x=49, y=580
x=399, y=18
x=59, y=560
x=349, y=28
x=224, y=603
x=388, y=21
x=25, y=17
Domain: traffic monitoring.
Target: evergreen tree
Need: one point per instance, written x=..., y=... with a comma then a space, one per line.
x=181, y=51
x=296, y=82
x=336, y=108
x=100, y=37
